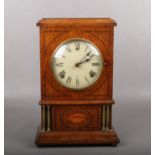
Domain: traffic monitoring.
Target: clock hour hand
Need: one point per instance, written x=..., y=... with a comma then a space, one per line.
x=83, y=61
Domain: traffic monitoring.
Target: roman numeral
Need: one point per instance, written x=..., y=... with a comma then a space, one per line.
x=77, y=45
x=86, y=79
x=86, y=48
x=68, y=81
x=68, y=49
x=62, y=74
x=88, y=54
x=92, y=74
x=77, y=83
x=59, y=64
x=96, y=64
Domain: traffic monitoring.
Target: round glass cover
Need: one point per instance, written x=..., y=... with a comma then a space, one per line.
x=77, y=64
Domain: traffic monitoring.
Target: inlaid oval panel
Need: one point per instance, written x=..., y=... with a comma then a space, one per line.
x=76, y=117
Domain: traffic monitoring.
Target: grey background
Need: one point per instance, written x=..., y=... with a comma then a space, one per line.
x=131, y=117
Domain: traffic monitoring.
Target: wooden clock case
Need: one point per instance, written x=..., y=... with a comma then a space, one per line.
x=68, y=116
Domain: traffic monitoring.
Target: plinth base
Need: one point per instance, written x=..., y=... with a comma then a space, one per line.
x=76, y=138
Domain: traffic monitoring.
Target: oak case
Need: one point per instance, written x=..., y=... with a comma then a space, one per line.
x=73, y=116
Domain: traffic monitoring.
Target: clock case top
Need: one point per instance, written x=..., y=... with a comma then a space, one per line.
x=55, y=31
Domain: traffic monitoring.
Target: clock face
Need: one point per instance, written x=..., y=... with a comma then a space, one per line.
x=77, y=64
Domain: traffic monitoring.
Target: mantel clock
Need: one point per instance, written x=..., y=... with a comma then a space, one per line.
x=76, y=67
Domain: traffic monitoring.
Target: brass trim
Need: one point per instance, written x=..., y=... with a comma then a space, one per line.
x=43, y=118
x=107, y=117
x=48, y=119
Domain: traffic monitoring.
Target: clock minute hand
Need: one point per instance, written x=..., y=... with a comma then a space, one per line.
x=82, y=60
x=84, y=57
x=86, y=60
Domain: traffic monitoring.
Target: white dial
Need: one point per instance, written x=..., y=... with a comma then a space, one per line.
x=77, y=64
